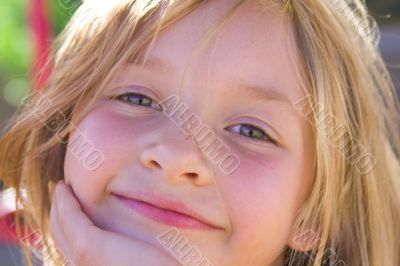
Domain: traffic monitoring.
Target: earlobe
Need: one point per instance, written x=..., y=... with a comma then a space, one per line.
x=303, y=240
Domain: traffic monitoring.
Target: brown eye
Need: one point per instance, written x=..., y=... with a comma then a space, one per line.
x=138, y=99
x=253, y=132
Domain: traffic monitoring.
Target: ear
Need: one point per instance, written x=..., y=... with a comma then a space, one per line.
x=303, y=241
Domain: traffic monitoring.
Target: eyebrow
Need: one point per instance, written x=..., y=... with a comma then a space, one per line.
x=155, y=63
x=264, y=94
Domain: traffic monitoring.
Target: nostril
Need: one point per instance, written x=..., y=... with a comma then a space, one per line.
x=192, y=175
x=154, y=164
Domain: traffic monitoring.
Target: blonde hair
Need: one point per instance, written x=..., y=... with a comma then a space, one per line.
x=351, y=211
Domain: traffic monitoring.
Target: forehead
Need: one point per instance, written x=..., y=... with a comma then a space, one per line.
x=255, y=46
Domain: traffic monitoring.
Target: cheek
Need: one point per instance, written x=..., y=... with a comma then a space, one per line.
x=113, y=139
x=263, y=196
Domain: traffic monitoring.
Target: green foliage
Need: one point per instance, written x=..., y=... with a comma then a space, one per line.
x=14, y=48
x=15, y=36
x=62, y=11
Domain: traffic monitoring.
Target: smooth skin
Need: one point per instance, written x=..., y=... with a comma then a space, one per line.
x=254, y=207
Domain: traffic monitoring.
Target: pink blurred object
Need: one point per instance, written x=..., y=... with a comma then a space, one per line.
x=7, y=229
x=8, y=214
x=40, y=27
x=7, y=210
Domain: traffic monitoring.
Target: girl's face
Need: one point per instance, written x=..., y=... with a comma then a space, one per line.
x=242, y=86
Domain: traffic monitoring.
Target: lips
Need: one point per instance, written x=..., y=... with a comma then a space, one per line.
x=165, y=210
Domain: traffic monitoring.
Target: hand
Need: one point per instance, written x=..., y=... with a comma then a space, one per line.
x=82, y=243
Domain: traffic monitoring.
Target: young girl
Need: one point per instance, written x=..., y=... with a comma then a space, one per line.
x=210, y=133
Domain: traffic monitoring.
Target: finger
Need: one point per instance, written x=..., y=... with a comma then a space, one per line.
x=72, y=220
x=91, y=245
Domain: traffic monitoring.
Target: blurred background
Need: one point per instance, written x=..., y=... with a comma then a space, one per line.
x=28, y=26
x=26, y=30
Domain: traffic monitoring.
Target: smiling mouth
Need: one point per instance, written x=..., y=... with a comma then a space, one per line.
x=164, y=215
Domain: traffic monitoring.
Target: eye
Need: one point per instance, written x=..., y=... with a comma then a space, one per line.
x=253, y=132
x=138, y=99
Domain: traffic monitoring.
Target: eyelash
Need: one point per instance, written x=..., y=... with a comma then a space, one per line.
x=250, y=129
x=243, y=128
x=129, y=94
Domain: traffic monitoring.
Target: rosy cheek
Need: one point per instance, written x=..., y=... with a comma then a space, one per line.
x=263, y=195
x=98, y=133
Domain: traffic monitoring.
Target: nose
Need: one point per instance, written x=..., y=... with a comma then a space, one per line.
x=178, y=161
